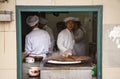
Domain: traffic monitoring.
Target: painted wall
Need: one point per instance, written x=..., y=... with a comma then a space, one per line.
x=8, y=34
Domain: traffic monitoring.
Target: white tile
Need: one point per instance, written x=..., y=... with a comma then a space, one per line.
x=10, y=26
x=97, y=2
x=10, y=42
x=73, y=2
x=8, y=62
x=111, y=12
x=1, y=43
x=8, y=74
x=34, y=2
x=111, y=73
x=2, y=27
x=8, y=58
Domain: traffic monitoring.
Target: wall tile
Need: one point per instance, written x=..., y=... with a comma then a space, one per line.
x=10, y=27
x=111, y=12
x=8, y=74
x=73, y=2
x=1, y=43
x=35, y=2
x=10, y=42
x=111, y=73
x=8, y=58
x=97, y=2
x=2, y=26
x=8, y=61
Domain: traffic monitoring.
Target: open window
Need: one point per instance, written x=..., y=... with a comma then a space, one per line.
x=91, y=20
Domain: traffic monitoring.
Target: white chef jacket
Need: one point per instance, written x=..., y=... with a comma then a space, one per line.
x=65, y=41
x=37, y=42
x=49, y=30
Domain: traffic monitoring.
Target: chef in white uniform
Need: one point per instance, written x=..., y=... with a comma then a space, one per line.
x=65, y=41
x=79, y=36
x=44, y=26
x=37, y=42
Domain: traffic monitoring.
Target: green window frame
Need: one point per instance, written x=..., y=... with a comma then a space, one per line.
x=20, y=9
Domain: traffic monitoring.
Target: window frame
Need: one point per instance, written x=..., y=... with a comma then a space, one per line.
x=20, y=9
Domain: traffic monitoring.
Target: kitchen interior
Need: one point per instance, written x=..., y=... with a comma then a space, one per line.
x=63, y=71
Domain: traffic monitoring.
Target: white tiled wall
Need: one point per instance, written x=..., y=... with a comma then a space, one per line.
x=8, y=74
x=8, y=43
x=111, y=73
x=8, y=55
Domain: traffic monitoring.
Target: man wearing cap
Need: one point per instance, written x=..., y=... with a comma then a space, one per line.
x=44, y=26
x=65, y=41
x=79, y=36
x=37, y=42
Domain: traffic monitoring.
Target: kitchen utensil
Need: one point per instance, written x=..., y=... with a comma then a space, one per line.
x=29, y=59
x=68, y=60
x=63, y=62
x=34, y=71
x=38, y=58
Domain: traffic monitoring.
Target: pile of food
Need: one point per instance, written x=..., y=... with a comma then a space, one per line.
x=70, y=58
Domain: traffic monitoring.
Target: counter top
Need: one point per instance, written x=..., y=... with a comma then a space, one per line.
x=80, y=66
x=46, y=66
x=65, y=68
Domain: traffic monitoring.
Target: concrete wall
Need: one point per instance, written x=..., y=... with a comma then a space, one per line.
x=8, y=34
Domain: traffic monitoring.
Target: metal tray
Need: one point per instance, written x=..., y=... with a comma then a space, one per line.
x=63, y=62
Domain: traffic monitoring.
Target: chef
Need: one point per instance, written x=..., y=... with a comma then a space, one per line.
x=79, y=36
x=44, y=26
x=65, y=41
x=37, y=42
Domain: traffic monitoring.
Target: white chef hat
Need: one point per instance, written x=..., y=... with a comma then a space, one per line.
x=43, y=20
x=69, y=18
x=77, y=19
x=32, y=20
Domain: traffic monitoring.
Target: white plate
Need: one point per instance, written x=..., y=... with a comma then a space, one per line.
x=63, y=62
